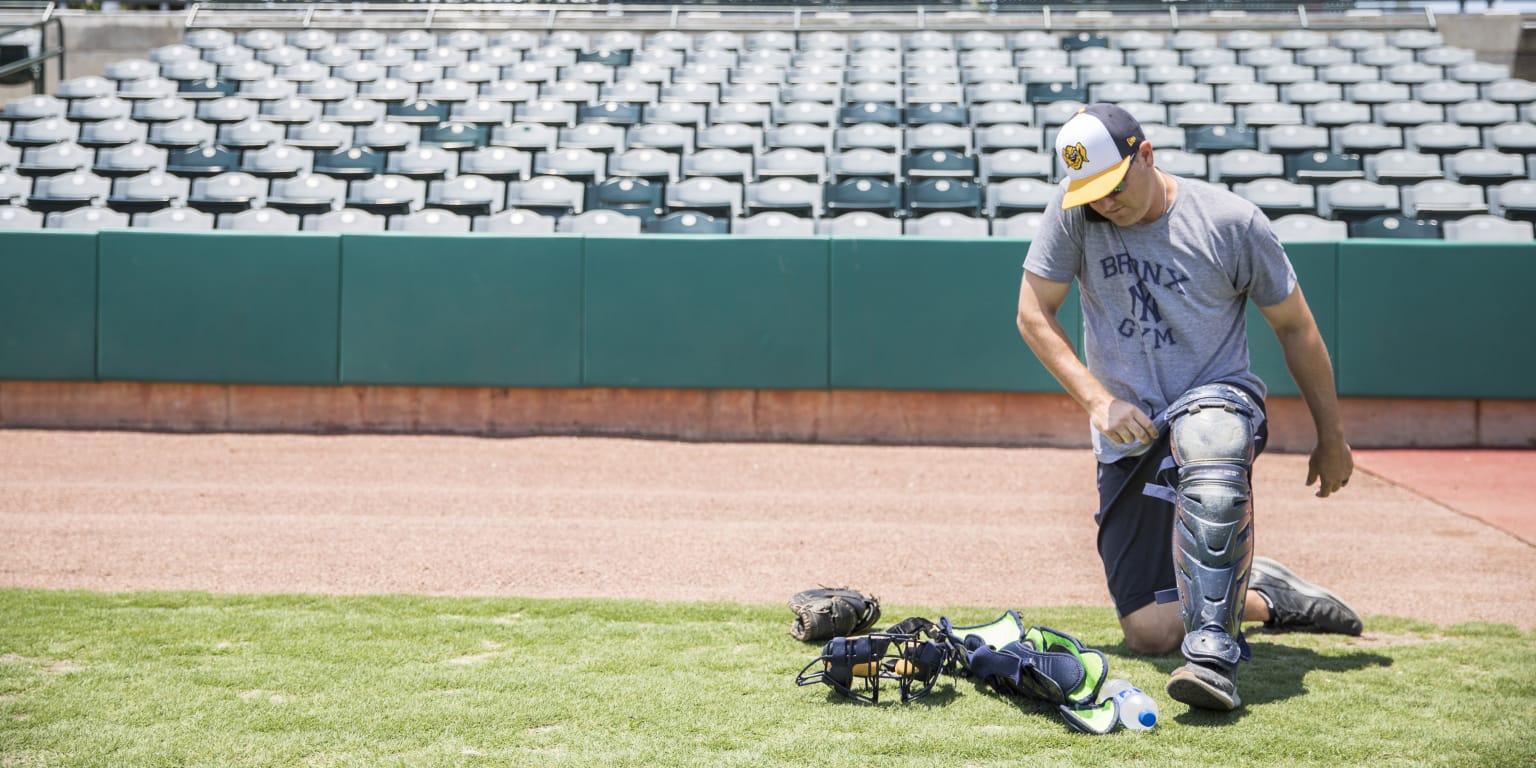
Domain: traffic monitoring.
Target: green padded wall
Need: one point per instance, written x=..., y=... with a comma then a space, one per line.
x=235, y=307
x=910, y=313
x=705, y=311
x=472, y=310
x=1436, y=319
x=47, y=305
x=1317, y=272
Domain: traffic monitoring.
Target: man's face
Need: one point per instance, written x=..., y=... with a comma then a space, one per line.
x=1138, y=195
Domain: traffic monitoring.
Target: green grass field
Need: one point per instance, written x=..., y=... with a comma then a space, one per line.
x=186, y=679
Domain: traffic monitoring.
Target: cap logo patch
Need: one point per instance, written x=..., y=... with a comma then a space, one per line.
x=1075, y=155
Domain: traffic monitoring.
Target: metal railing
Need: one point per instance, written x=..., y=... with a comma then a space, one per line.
x=750, y=16
x=36, y=62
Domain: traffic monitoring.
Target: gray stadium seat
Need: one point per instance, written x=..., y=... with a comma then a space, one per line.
x=859, y=224
x=1018, y=196
x=1485, y=167
x=1278, y=197
x=76, y=189
x=1441, y=199
x=1402, y=166
x=1181, y=163
x=182, y=219
x=1302, y=227
x=1242, y=165
x=1515, y=200
x=467, y=195
x=549, y=195
x=344, y=220
x=1487, y=228
x=14, y=189
x=306, y=194
x=946, y=224
x=725, y=164
x=786, y=195
x=88, y=219
x=41, y=133
x=716, y=197
x=864, y=162
x=599, y=222
x=516, y=221
x=774, y=224
x=259, y=220
x=227, y=192
x=1443, y=138
x=1356, y=199
x=430, y=220
x=16, y=217
x=148, y=192
x=389, y=195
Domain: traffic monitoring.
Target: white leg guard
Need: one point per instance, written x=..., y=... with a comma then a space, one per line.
x=1212, y=431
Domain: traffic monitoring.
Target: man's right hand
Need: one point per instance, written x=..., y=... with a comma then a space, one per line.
x=1123, y=423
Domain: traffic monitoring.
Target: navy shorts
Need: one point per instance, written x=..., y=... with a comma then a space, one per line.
x=1136, y=530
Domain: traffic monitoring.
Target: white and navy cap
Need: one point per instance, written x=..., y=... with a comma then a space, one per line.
x=1096, y=146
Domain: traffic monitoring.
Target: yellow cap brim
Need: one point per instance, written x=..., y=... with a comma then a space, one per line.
x=1086, y=190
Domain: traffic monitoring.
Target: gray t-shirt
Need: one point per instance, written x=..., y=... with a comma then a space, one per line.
x=1163, y=303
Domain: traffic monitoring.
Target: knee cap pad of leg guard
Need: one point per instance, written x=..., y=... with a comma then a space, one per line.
x=1212, y=430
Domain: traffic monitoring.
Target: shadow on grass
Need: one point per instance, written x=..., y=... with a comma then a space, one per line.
x=1277, y=672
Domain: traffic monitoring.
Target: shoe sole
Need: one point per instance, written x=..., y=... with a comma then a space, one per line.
x=1185, y=686
x=1274, y=569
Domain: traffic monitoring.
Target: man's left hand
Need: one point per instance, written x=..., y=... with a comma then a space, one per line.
x=1330, y=467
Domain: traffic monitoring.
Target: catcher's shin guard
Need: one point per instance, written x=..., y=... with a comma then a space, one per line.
x=1212, y=436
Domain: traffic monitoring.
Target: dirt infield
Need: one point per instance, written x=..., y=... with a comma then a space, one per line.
x=558, y=517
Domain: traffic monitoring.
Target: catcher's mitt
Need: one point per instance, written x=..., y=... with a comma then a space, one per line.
x=828, y=612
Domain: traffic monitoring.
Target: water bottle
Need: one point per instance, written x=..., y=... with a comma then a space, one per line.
x=1138, y=711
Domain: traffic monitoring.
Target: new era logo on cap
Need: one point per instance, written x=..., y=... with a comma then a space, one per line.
x=1096, y=145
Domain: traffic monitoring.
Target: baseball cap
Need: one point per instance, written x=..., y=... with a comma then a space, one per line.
x=1096, y=145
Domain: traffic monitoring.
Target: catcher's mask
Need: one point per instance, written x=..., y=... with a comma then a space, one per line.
x=854, y=666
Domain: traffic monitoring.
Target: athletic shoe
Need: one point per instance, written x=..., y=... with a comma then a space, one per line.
x=1295, y=603
x=1204, y=687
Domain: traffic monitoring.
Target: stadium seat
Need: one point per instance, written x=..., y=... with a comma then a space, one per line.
x=1487, y=228
x=456, y=136
x=423, y=162
x=774, y=224
x=796, y=197
x=181, y=219
x=1017, y=196
x=1366, y=138
x=1485, y=167
x=88, y=219
x=529, y=137
x=306, y=194
x=352, y=164
x=497, y=163
x=228, y=192
x=1402, y=166
x=713, y=197
x=924, y=196
x=1302, y=227
x=148, y=192
x=344, y=220
x=724, y=164
x=633, y=196
x=688, y=223
x=17, y=217
x=946, y=224
x=645, y=163
x=600, y=222
x=1181, y=163
x=859, y=224
x=259, y=220
x=862, y=194
x=467, y=195
x=872, y=163
x=77, y=189
x=946, y=163
x=1394, y=226
x=1242, y=165
x=14, y=189
x=516, y=221
x=1441, y=199
x=792, y=161
x=1278, y=197
x=1017, y=164
x=433, y=220
x=1323, y=167
x=1356, y=199
x=1515, y=200
x=1443, y=138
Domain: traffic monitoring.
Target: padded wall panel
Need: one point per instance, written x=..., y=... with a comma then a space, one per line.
x=1317, y=272
x=1436, y=319
x=910, y=313
x=47, y=305
x=223, y=307
x=699, y=311
x=471, y=310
